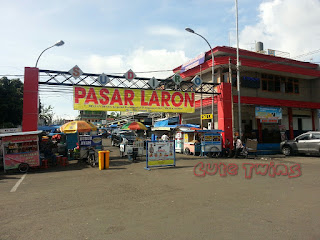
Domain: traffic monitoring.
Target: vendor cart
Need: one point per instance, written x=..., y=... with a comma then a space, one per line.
x=132, y=149
x=202, y=142
x=211, y=143
x=191, y=143
x=20, y=150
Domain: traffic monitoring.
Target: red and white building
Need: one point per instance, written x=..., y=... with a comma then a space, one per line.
x=267, y=81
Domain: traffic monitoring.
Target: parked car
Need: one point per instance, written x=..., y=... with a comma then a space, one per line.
x=117, y=137
x=306, y=143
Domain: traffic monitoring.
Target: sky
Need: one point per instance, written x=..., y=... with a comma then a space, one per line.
x=111, y=37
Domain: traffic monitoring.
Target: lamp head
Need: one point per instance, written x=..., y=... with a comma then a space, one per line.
x=60, y=43
x=189, y=30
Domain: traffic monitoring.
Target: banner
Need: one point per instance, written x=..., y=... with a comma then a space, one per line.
x=87, y=140
x=139, y=100
x=160, y=154
x=20, y=149
x=268, y=114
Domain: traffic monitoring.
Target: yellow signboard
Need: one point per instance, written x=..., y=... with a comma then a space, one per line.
x=206, y=116
x=139, y=100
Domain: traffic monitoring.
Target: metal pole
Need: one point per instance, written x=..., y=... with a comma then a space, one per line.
x=42, y=53
x=238, y=72
x=191, y=31
x=201, y=109
x=212, y=75
x=60, y=43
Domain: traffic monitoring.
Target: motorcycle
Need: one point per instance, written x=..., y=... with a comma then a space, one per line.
x=91, y=157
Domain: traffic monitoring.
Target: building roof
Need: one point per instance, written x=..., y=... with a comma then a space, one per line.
x=256, y=62
x=19, y=133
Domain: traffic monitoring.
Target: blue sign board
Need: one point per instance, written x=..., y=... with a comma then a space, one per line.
x=270, y=113
x=87, y=140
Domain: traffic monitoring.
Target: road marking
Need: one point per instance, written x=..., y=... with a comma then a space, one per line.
x=15, y=187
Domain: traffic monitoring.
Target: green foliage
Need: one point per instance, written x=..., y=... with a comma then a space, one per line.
x=11, y=102
x=46, y=114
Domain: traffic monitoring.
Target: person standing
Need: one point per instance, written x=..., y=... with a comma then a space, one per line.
x=165, y=137
x=239, y=147
x=227, y=148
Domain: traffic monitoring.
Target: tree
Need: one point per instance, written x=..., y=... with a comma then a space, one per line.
x=11, y=102
x=46, y=114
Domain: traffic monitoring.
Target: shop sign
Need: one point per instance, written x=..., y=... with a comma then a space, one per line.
x=268, y=114
x=206, y=116
x=160, y=154
x=136, y=100
x=103, y=79
x=197, y=81
x=20, y=149
x=75, y=71
x=268, y=120
x=130, y=75
x=193, y=63
x=153, y=83
x=10, y=130
x=87, y=140
x=177, y=79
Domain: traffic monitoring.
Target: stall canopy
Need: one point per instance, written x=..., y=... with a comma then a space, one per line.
x=51, y=128
x=19, y=133
x=167, y=125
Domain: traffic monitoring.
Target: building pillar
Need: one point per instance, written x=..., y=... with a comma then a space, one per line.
x=30, y=99
x=290, y=119
x=259, y=127
x=224, y=105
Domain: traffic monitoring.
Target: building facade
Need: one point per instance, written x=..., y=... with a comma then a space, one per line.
x=278, y=96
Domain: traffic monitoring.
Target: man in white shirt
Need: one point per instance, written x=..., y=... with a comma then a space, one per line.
x=239, y=147
x=165, y=137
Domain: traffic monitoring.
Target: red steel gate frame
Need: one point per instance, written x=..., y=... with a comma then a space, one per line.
x=222, y=92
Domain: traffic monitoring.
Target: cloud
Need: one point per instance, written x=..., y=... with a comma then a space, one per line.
x=146, y=63
x=107, y=64
x=165, y=30
x=286, y=25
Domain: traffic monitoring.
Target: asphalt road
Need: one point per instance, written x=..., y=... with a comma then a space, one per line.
x=129, y=202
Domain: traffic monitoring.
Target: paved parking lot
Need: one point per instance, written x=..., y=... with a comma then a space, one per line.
x=129, y=202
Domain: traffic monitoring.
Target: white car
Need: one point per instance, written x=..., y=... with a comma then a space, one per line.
x=306, y=143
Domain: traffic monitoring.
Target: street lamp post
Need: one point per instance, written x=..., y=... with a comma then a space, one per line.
x=57, y=44
x=191, y=31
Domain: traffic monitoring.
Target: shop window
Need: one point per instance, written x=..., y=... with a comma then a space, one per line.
x=277, y=84
x=271, y=86
x=273, y=83
x=283, y=84
x=289, y=85
x=296, y=86
x=264, y=85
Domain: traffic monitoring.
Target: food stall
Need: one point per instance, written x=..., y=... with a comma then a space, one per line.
x=202, y=142
x=191, y=142
x=178, y=141
x=20, y=150
x=211, y=143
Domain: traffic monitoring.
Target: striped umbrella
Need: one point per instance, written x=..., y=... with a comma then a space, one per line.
x=77, y=126
x=134, y=126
